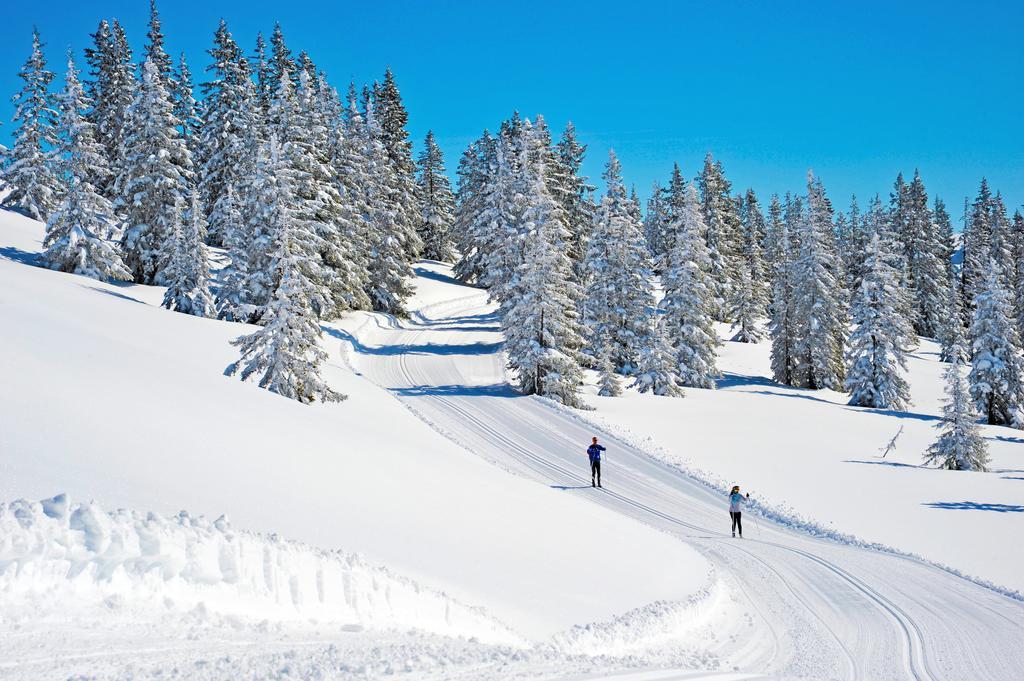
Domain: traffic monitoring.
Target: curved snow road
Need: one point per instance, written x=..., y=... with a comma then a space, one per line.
x=819, y=609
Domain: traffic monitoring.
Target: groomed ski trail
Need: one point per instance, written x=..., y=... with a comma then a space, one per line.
x=817, y=608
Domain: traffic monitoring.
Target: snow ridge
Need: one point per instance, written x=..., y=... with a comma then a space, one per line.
x=56, y=555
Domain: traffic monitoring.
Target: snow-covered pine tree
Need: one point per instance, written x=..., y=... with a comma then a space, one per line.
x=265, y=87
x=391, y=117
x=285, y=354
x=502, y=238
x=608, y=383
x=78, y=233
x=316, y=202
x=997, y=371
x=961, y=446
x=818, y=311
x=881, y=337
x=977, y=236
x=749, y=294
x=111, y=90
x=617, y=297
x=436, y=203
x=155, y=51
x=688, y=296
x=304, y=63
x=390, y=232
x=35, y=189
x=351, y=179
x=156, y=176
x=186, y=109
x=229, y=113
x=782, y=323
x=879, y=221
x=718, y=212
x=281, y=64
x=772, y=232
x=927, y=272
x=345, y=267
x=238, y=294
x=655, y=224
x=853, y=246
x=635, y=209
x=188, y=271
x=660, y=217
x=574, y=193
x=1001, y=243
x=541, y=324
x=951, y=336
x=944, y=228
x=893, y=225
x=475, y=172
x=899, y=218
x=1018, y=271
x=657, y=371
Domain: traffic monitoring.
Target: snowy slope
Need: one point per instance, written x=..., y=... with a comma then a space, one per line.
x=817, y=608
x=810, y=452
x=108, y=397
x=421, y=483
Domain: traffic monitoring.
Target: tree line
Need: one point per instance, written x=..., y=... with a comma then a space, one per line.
x=318, y=208
x=843, y=297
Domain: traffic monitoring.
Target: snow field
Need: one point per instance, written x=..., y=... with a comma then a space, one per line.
x=107, y=397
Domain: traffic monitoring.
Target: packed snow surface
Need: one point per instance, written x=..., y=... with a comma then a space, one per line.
x=502, y=561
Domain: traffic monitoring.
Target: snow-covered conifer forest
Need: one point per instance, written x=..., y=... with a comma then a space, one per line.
x=442, y=337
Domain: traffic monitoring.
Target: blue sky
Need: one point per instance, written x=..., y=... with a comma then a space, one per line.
x=857, y=91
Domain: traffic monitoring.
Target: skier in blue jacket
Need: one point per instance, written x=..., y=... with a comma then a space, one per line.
x=594, y=452
x=736, y=501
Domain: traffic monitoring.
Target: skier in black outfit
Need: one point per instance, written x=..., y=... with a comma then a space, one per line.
x=594, y=452
x=736, y=502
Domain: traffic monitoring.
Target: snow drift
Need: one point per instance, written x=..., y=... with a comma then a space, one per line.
x=57, y=556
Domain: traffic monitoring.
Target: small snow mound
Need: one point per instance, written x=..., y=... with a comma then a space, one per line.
x=659, y=624
x=56, y=555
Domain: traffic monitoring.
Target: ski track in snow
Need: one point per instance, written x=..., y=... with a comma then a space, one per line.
x=818, y=608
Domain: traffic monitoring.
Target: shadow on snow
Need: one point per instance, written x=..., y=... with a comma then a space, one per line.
x=975, y=506
x=18, y=255
x=436, y=276
x=893, y=464
x=412, y=349
x=492, y=390
x=115, y=294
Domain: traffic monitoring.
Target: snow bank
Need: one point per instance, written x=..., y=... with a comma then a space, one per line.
x=658, y=624
x=57, y=556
